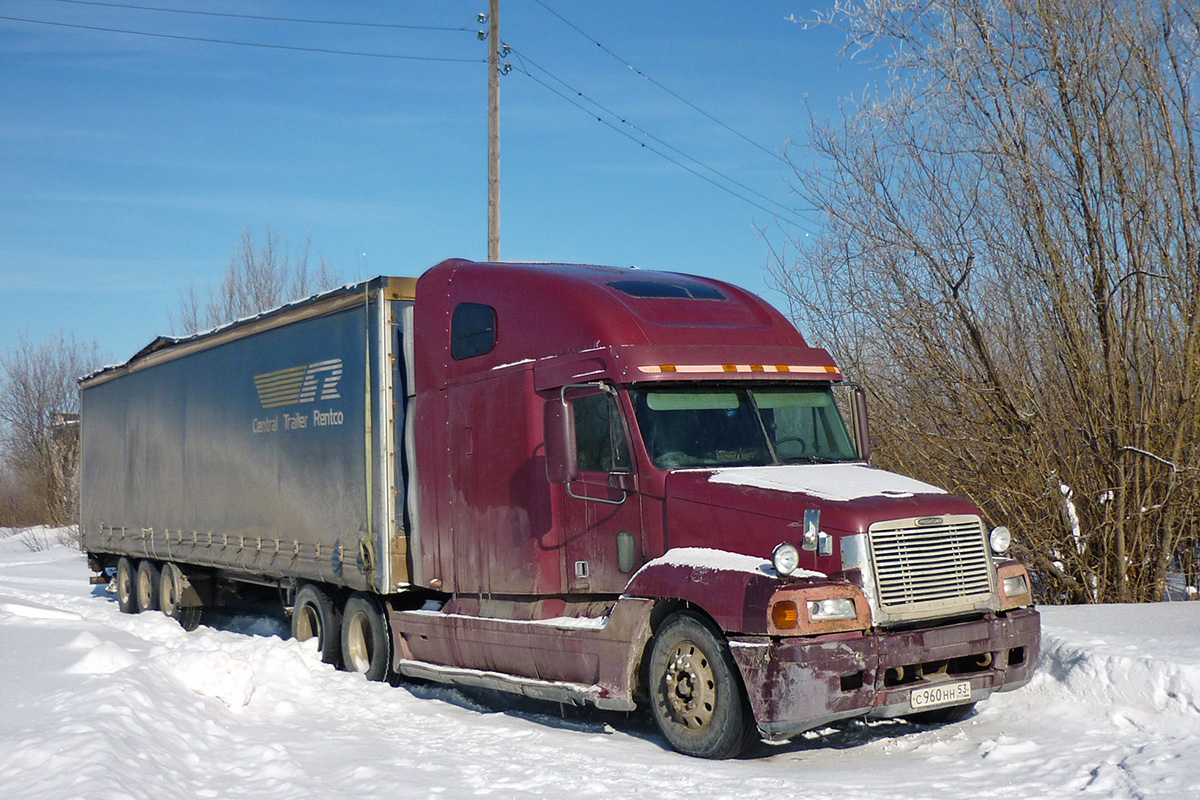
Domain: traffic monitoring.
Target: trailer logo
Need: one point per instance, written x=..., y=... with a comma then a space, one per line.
x=307, y=383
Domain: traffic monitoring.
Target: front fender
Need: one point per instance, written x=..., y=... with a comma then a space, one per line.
x=735, y=590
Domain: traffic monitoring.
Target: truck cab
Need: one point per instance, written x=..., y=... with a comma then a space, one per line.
x=601, y=441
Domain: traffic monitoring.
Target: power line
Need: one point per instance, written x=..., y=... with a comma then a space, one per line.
x=685, y=101
x=207, y=40
x=788, y=215
x=264, y=18
x=787, y=220
x=784, y=214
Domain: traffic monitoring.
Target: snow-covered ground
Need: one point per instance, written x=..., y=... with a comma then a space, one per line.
x=97, y=704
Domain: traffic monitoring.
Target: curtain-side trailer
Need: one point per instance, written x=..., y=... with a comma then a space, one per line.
x=584, y=484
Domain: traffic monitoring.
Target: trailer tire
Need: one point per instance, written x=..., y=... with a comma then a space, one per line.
x=126, y=581
x=148, y=575
x=366, y=638
x=696, y=692
x=315, y=616
x=171, y=584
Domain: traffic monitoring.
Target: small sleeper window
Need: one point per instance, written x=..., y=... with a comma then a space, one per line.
x=663, y=289
x=472, y=330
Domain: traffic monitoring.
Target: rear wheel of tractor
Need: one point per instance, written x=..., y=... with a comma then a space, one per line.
x=171, y=585
x=315, y=616
x=696, y=692
x=366, y=640
x=127, y=586
x=147, y=585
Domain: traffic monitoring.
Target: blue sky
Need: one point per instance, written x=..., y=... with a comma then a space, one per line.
x=130, y=165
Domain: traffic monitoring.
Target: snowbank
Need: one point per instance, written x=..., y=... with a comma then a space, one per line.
x=104, y=705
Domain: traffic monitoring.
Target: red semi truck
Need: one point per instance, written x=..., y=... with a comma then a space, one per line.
x=584, y=484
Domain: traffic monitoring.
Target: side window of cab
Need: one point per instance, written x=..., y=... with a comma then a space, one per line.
x=472, y=330
x=600, y=441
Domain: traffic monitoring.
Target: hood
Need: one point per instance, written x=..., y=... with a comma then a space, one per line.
x=749, y=510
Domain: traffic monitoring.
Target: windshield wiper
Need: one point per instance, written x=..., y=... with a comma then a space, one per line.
x=814, y=460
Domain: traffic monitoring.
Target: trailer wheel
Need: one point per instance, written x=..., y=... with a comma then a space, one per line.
x=170, y=597
x=366, y=640
x=127, y=586
x=696, y=692
x=147, y=585
x=315, y=615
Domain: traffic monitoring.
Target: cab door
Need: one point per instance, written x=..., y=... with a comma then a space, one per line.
x=602, y=513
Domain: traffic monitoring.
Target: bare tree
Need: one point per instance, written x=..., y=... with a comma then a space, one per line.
x=1010, y=263
x=257, y=279
x=39, y=417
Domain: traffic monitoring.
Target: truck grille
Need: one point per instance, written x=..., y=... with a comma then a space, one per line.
x=940, y=567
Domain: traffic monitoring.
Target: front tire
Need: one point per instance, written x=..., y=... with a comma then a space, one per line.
x=315, y=616
x=366, y=639
x=696, y=692
x=127, y=586
x=148, y=575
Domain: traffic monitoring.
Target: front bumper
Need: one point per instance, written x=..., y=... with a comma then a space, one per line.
x=797, y=684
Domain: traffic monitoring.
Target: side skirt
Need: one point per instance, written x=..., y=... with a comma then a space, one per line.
x=555, y=691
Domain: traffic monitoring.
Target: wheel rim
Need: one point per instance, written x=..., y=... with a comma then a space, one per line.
x=308, y=624
x=359, y=643
x=690, y=687
x=124, y=586
x=170, y=594
x=145, y=590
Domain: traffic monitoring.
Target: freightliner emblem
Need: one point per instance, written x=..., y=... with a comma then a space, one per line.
x=304, y=384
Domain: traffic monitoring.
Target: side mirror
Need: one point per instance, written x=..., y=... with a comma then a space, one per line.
x=862, y=428
x=562, y=462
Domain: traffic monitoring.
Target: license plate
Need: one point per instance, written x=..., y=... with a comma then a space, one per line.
x=940, y=694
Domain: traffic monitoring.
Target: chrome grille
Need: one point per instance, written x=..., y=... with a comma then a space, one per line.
x=935, y=568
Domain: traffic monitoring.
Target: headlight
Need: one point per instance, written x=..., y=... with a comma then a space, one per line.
x=785, y=559
x=832, y=608
x=1000, y=539
x=1015, y=586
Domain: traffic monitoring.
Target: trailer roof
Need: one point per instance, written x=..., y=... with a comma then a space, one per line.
x=165, y=348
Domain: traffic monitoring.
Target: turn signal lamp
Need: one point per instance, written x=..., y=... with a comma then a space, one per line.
x=785, y=615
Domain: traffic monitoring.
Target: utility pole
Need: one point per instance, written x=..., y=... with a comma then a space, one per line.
x=494, y=132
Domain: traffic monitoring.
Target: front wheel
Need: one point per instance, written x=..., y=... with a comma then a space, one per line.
x=695, y=690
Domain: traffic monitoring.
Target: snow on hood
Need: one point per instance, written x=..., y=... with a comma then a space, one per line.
x=837, y=482
x=707, y=558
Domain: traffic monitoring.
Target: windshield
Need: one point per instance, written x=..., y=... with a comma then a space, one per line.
x=723, y=425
